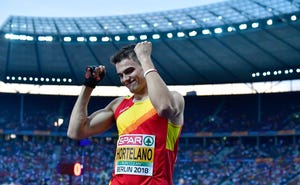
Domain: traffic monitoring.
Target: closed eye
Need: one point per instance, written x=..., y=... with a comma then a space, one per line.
x=129, y=70
x=126, y=71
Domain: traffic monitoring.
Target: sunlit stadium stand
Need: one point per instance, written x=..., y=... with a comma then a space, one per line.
x=224, y=14
x=228, y=42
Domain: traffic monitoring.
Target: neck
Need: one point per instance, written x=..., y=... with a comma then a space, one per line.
x=139, y=98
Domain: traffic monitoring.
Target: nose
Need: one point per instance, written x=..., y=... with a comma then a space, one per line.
x=125, y=78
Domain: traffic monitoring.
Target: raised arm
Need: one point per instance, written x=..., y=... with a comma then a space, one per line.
x=169, y=104
x=81, y=124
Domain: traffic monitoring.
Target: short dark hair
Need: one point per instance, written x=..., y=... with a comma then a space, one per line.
x=126, y=52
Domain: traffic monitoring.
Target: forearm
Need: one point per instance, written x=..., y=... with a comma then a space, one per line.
x=158, y=91
x=78, y=118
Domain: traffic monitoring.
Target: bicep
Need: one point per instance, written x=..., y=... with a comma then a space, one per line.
x=101, y=120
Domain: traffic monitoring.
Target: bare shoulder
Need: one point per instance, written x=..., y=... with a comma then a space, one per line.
x=177, y=96
x=114, y=103
x=176, y=93
x=178, y=115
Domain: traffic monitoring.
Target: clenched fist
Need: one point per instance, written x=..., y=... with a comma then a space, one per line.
x=93, y=75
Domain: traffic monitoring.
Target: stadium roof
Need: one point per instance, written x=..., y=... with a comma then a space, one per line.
x=227, y=42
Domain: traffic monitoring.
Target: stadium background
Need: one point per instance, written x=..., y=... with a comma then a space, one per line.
x=233, y=136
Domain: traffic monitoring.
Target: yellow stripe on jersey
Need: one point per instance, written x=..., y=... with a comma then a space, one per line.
x=135, y=116
x=173, y=134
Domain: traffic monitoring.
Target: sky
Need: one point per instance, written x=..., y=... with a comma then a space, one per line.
x=90, y=8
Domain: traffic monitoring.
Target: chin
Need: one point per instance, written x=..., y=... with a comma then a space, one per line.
x=132, y=88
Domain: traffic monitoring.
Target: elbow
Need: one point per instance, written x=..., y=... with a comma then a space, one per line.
x=73, y=135
x=170, y=110
x=76, y=130
x=166, y=111
x=170, y=107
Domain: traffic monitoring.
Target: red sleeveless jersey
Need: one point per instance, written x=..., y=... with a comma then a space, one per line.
x=147, y=145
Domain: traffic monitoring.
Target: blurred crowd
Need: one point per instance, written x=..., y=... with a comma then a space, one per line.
x=31, y=158
x=264, y=112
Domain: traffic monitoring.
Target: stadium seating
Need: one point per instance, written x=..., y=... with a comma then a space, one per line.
x=32, y=147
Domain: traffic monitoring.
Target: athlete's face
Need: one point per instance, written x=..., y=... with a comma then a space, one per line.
x=131, y=75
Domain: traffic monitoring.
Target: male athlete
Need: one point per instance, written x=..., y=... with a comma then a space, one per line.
x=149, y=122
